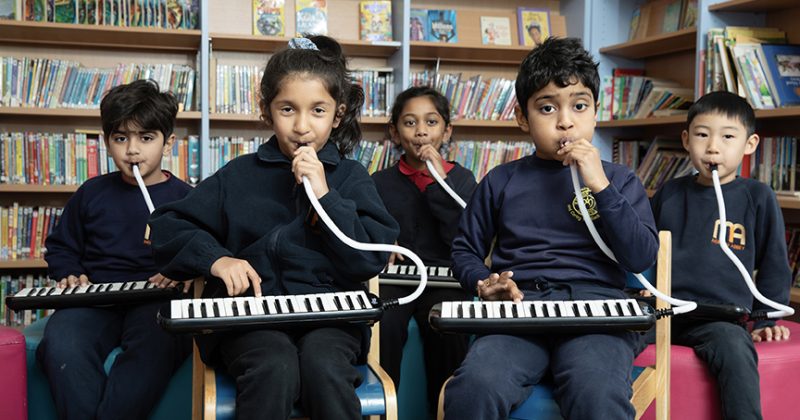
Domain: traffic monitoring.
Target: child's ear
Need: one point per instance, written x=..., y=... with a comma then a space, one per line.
x=448, y=131
x=168, y=144
x=393, y=134
x=685, y=140
x=340, y=110
x=522, y=119
x=751, y=144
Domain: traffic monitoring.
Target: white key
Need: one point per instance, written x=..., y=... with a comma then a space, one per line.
x=537, y=309
x=138, y=285
x=284, y=307
x=209, y=308
x=196, y=308
x=297, y=304
x=327, y=302
x=612, y=307
x=490, y=309
x=566, y=309
x=637, y=310
x=442, y=271
x=115, y=287
x=228, y=304
x=175, y=309
x=341, y=297
x=25, y=291
x=626, y=310
x=57, y=291
x=581, y=310
x=392, y=269
x=255, y=305
x=82, y=289
x=220, y=304
x=239, y=304
x=402, y=269
x=447, y=310
x=597, y=308
x=478, y=306
x=551, y=309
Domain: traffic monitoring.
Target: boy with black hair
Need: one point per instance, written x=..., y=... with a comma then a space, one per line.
x=543, y=250
x=720, y=131
x=101, y=238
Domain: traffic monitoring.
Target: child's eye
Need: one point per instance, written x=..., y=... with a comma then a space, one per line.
x=703, y=135
x=728, y=136
x=409, y=123
x=547, y=109
x=147, y=138
x=581, y=106
x=285, y=109
x=319, y=110
x=118, y=139
x=432, y=122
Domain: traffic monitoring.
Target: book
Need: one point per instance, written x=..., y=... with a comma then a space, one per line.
x=268, y=17
x=533, y=25
x=9, y=9
x=689, y=14
x=312, y=17
x=672, y=16
x=495, y=30
x=781, y=63
x=442, y=26
x=418, y=25
x=375, y=19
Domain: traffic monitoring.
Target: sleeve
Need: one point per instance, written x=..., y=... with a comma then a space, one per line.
x=445, y=209
x=774, y=276
x=358, y=211
x=65, y=244
x=628, y=224
x=184, y=233
x=476, y=231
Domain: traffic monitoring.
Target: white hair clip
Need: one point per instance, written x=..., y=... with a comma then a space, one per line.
x=302, y=44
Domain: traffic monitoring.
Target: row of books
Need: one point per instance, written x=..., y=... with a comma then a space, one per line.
x=755, y=63
x=171, y=14
x=224, y=149
x=793, y=250
x=475, y=98
x=9, y=286
x=53, y=83
x=628, y=94
x=237, y=88
x=662, y=16
x=663, y=159
x=72, y=158
x=379, y=91
x=774, y=163
x=23, y=230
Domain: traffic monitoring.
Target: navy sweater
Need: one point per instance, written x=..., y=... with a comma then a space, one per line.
x=428, y=219
x=700, y=270
x=101, y=231
x=530, y=207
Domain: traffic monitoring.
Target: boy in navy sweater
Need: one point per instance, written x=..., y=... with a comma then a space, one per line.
x=101, y=239
x=721, y=130
x=543, y=250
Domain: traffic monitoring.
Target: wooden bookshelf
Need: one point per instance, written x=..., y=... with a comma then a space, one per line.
x=251, y=118
x=794, y=295
x=643, y=122
x=22, y=264
x=74, y=113
x=432, y=51
x=35, y=188
x=789, y=202
x=752, y=5
x=485, y=123
x=264, y=44
x=95, y=36
x=661, y=44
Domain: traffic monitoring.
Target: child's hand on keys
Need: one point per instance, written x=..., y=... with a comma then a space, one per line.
x=499, y=287
x=238, y=275
x=162, y=282
x=396, y=256
x=73, y=280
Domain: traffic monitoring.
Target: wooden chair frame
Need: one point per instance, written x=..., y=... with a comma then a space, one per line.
x=653, y=383
x=204, y=401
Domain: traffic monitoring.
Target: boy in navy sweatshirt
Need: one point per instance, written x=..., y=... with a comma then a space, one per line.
x=543, y=250
x=101, y=239
x=721, y=130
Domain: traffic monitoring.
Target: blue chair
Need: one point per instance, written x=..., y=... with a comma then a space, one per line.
x=214, y=391
x=651, y=383
x=175, y=404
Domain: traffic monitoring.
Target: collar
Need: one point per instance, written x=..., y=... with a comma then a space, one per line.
x=420, y=178
x=271, y=153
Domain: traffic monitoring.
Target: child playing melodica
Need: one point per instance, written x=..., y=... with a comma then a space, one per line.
x=543, y=251
x=100, y=239
x=721, y=131
x=251, y=229
x=428, y=218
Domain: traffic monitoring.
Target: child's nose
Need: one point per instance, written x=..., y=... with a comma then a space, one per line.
x=564, y=120
x=301, y=124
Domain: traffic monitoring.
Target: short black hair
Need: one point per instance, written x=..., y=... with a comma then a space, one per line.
x=439, y=101
x=140, y=102
x=728, y=104
x=563, y=61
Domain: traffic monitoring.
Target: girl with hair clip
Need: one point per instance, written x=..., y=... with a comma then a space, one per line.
x=428, y=217
x=251, y=227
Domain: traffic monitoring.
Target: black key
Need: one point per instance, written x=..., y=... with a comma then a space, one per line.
x=514, y=312
x=320, y=305
x=235, y=308
x=502, y=311
x=215, y=307
x=264, y=304
x=307, y=303
x=290, y=305
x=190, y=309
x=247, y=309
x=336, y=302
x=484, y=311
x=350, y=302
x=472, y=311
x=558, y=310
x=51, y=291
x=588, y=309
x=203, y=313
x=545, y=312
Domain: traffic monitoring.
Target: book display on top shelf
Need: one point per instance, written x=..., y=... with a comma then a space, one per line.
x=533, y=25
x=442, y=26
x=495, y=30
x=312, y=17
x=268, y=17
x=418, y=25
x=375, y=20
x=661, y=16
x=9, y=10
x=168, y=14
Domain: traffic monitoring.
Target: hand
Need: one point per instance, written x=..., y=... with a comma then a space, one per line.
x=499, y=287
x=237, y=275
x=306, y=163
x=587, y=158
x=72, y=280
x=162, y=282
x=396, y=256
x=429, y=153
x=645, y=293
x=776, y=333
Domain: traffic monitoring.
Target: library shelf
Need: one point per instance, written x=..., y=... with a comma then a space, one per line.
x=641, y=122
x=657, y=45
x=752, y=5
x=788, y=112
x=94, y=36
x=23, y=263
x=250, y=118
x=75, y=112
x=37, y=188
x=794, y=295
x=485, y=123
x=487, y=54
x=265, y=44
x=788, y=202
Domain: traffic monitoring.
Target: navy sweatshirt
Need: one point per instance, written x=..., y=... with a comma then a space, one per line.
x=101, y=231
x=530, y=207
x=429, y=219
x=756, y=235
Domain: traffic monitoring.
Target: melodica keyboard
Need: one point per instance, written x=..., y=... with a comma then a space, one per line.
x=533, y=317
x=98, y=294
x=219, y=314
x=408, y=275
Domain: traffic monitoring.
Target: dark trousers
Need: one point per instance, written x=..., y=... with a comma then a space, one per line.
x=731, y=357
x=591, y=373
x=274, y=369
x=443, y=353
x=75, y=345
